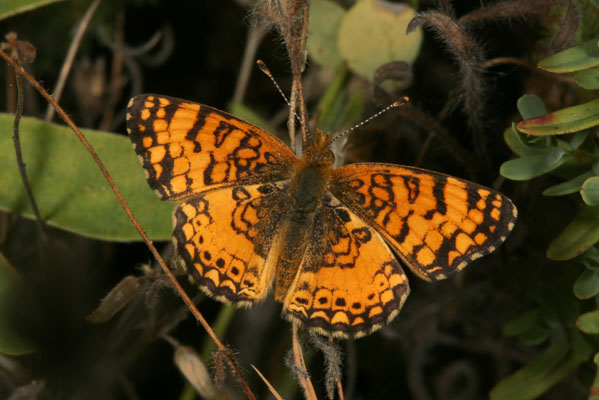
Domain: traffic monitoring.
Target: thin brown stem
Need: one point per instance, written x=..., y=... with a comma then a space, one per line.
x=298, y=359
x=254, y=38
x=188, y=302
x=19, y=156
x=68, y=62
x=516, y=61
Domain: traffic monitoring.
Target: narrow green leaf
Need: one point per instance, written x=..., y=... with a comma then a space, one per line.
x=587, y=284
x=8, y=8
x=583, y=56
x=531, y=106
x=590, y=191
x=535, y=336
x=567, y=120
x=516, y=142
x=558, y=361
x=589, y=322
x=247, y=114
x=323, y=28
x=571, y=186
x=531, y=380
x=578, y=139
x=577, y=237
x=11, y=342
x=521, y=323
x=70, y=191
x=588, y=78
x=529, y=167
x=374, y=33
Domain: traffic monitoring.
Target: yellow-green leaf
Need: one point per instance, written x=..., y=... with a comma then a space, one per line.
x=582, y=56
x=567, y=120
x=68, y=187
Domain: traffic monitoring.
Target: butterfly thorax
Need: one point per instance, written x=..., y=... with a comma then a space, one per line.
x=308, y=188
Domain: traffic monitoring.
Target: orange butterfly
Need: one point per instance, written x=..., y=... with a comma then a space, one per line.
x=253, y=215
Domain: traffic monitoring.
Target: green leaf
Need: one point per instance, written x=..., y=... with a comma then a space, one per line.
x=590, y=191
x=70, y=191
x=535, y=335
x=11, y=342
x=529, y=167
x=531, y=106
x=521, y=323
x=589, y=322
x=557, y=361
x=588, y=78
x=571, y=186
x=567, y=120
x=583, y=56
x=578, y=139
x=517, y=143
x=587, y=284
x=374, y=33
x=8, y=8
x=577, y=237
x=323, y=27
x=247, y=114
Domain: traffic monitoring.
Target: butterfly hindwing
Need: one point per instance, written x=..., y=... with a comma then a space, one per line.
x=436, y=223
x=349, y=283
x=225, y=237
x=186, y=148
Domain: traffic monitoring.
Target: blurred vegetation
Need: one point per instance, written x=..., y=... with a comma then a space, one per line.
x=504, y=90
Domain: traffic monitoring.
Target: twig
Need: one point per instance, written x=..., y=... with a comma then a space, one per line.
x=298, y=359
x=270, y=387
x=196, y=313
x=254, y=38
x=68, y=62
x=513, y=60
x=19, y=156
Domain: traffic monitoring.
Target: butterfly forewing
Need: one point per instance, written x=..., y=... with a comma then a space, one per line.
x=436, y=223
x=187, y=148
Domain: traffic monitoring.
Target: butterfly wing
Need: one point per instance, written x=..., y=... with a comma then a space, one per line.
x=349, y=282
x=231, y=178
x=436, y=223
x=187, y=148
x=229, y=240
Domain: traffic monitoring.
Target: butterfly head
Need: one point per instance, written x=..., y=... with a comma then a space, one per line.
x=318, y=153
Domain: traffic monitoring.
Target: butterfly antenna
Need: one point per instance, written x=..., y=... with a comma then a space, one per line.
x=266, y=72
x=396, y=103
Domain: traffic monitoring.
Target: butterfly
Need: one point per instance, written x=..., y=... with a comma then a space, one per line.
x=329, y=242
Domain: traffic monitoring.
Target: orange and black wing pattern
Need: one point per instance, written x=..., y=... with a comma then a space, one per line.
x=187, y=148
x=436, y=223
x=349, y=282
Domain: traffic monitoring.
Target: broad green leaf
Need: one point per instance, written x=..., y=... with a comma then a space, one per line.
x=521, y=323
x=588, y=78
x=529, y=167
x=567, y=120
x=531, y=106
x=11, y=342
x=577, y=237
x=589, y=322
x=571, y=186
x=590, y=191
x=583, y=56
x=373, y=33
x=70, y=191
x=323, y=32
x=587, y=284
x=558, y=361
x=8, y=8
